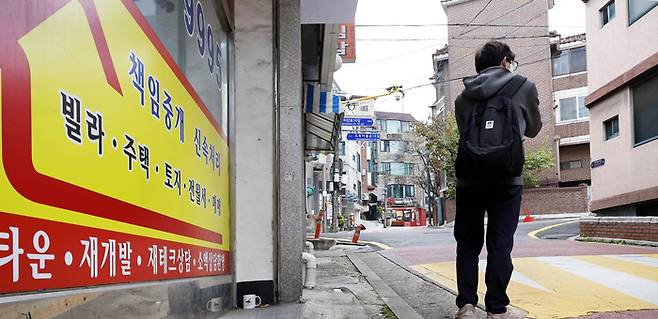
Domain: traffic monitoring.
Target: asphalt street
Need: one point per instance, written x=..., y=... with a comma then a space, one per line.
x=554, y=277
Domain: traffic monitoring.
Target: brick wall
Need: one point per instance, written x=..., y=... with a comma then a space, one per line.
x=570, y=82
x=529, y=43
x=572, y=129
x=635, y=228
x=542, y=201
x=573, y=153
x=555, y=200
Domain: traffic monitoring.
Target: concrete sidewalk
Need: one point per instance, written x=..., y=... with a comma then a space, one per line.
x=341, y=292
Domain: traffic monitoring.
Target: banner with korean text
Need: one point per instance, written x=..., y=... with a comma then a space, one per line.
x=113, y=169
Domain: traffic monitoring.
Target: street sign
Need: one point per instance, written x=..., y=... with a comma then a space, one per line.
x=598, y=163
x=358, y=121
x=363, y=137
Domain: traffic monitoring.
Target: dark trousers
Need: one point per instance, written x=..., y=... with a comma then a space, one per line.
x=502, y=204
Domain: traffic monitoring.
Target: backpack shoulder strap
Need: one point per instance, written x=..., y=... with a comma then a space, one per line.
x=512, y=86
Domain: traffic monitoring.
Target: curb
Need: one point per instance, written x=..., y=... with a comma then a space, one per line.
x=618, y=241
x=399, y=307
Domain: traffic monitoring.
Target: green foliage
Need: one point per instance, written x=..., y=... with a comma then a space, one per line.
x=535, y=162
x=441, y=143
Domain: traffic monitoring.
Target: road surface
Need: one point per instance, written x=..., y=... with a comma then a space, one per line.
x=554, y=277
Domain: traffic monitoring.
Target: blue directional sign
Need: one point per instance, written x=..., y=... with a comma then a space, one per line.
x=358, y=121
x=363, y=137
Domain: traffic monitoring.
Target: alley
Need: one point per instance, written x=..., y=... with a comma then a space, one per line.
x=553, y=278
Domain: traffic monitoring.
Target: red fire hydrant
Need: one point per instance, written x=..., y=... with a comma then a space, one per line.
x=357, y=233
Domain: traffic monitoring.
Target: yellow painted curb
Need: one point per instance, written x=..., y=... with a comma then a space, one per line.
x=533, y=234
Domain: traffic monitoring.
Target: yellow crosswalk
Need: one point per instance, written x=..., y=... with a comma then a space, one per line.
x=561, y=287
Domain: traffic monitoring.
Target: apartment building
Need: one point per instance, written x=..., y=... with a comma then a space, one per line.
x=622, y=58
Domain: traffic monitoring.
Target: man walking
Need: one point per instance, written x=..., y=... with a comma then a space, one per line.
x=495, y=110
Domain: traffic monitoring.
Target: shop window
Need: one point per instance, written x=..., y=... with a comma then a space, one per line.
x=400, y=191
x=572, y=109
x=607, y=13
x=569, y=61
x=196, y=36
x=611, y=127
x=638, y=8
x=645, y=109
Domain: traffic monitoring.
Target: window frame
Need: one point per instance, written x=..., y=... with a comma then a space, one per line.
x=567, y=53
x=628, y=6
x=642, y=79
x=565, y=94
x=606, y=7
x=605, y=131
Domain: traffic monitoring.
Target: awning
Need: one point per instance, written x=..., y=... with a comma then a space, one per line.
x=320, y=101
x=322, y=131
x=323, y=115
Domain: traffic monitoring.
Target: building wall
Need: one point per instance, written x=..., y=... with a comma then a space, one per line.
x=629, y=174
x=408, y=156
x=572, y=129
x=616, y=47
x=570, y=81
x=543, y=201
x=530, y=44
x=574, y=153
x=634, y=228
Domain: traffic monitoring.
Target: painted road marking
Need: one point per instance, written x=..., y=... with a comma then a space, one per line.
x=533, y=234
x=635, y=286
x=649, y=260
x=559, y=287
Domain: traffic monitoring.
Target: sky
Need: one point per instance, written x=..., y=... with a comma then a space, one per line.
x=382, y=63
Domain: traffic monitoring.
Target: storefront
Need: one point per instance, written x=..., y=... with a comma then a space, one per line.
x=115, y=149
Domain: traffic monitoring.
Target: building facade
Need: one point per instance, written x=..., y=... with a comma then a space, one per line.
x=569, y=69
x=172, y=152
x=399, y=166
x=622, y=59
x=524, y=27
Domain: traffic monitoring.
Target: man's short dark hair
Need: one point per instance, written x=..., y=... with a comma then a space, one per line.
x=491, y=54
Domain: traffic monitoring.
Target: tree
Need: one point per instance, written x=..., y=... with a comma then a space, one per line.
x=441, y=146
x=535, y=162
x=439, y=152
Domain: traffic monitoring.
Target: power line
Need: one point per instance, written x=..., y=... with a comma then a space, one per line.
x=480, y=12
x=536, y=36
x=400, y=55
x=498, y=17
x=428, y=25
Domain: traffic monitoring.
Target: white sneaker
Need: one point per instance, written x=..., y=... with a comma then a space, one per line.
x=466, y=312
x=512, y=313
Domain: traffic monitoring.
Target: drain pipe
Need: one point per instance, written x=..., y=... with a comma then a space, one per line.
x=309, y=247
x=309, y=273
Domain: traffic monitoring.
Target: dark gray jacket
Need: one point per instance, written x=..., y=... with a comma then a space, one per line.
x=525, y=103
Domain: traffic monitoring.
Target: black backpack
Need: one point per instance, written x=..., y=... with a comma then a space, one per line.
x=490, y=145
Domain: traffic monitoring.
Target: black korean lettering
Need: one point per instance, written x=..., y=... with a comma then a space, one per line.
x=154, y=93
x=71, y=112
x=95, y=129
x=129, y=150
x=144, y=159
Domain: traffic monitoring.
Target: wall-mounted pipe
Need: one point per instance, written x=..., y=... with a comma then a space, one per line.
x=309, y=272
